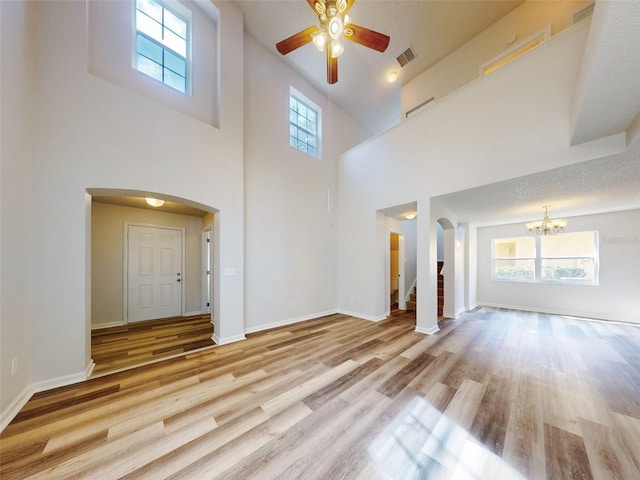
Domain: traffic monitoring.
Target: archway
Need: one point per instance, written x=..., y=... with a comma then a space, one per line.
x=111, y=213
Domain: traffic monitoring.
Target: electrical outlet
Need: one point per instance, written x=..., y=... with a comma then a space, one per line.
x=14, y=366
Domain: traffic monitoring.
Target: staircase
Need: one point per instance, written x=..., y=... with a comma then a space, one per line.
x=411, y=304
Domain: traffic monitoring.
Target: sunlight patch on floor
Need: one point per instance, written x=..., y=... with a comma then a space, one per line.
x=423, y=443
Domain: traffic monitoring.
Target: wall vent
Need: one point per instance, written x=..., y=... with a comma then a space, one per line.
x=582, y=14
x=406, y=56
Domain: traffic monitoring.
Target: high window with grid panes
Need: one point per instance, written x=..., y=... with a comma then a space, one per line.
x=304, y=125
x=162, y=42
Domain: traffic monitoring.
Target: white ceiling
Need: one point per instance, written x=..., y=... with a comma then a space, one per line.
x=433, y=28
x=610, y=85
x=596, y=186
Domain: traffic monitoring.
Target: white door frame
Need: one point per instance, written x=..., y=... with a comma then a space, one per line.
x=125, y=268
x=207, y=253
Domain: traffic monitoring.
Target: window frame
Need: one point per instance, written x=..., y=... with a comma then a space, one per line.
x=300, y=98
x=539, y=260
x=181, y=12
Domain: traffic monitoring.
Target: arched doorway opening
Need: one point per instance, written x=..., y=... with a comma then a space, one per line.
x=148, y=273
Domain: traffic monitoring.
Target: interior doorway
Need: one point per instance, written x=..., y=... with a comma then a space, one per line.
x=396, y=267
x=164, y=278
x=439, y=270
x=446, y=268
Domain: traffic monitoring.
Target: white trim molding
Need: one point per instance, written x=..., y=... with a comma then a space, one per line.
x=226, y=340
x=289, y=321
x=63, y=381
x=428, y=331
x=363, y=316
x=106, y=325
x=14, y=407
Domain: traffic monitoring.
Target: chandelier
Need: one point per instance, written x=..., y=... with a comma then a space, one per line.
x=546, y=226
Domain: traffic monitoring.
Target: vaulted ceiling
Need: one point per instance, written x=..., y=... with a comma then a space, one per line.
x=433, y=29
x=607, y=99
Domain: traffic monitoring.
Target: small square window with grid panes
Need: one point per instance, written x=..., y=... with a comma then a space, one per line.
x=162, y=43
x=303, y=127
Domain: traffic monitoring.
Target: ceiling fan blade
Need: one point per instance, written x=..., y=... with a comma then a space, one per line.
x=296, y=41
x=332, y=68
x=349, y=5
x=317, y=9
x=368, y=38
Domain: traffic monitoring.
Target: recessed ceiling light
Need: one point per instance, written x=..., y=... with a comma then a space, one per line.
x=392, y=76
x=154, y=202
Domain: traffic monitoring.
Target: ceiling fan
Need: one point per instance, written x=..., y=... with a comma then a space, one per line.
x=334, y=23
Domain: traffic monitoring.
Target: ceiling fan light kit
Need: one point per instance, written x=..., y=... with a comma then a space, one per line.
x=334, y=24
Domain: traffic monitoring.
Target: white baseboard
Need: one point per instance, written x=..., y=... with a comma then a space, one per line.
x=90, y=366
x=428, y=331
x=193, y=314
x=62, y=381
x=371, y=318
x=582, y=315
x=289, y=321
x=14, y=407
x=107, y=325
x=226, y=340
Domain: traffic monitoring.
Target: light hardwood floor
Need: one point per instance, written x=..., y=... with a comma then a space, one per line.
x=495, y=394
x=138, y=343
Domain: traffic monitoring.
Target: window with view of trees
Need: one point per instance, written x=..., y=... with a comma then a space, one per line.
x=570, y=258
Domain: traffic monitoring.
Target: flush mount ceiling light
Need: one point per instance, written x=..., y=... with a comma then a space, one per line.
x=154, y=202
x=392, y=76
x=546, y=226
x=334, y=25
x=410, y=216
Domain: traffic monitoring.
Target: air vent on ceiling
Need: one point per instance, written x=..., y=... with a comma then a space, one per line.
x=406, y=56
x=582, y=14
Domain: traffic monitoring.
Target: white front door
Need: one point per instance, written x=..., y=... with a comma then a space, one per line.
x=154, y=273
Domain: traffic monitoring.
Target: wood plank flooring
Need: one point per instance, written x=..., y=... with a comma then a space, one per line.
x=495, y=394
x=138, y=343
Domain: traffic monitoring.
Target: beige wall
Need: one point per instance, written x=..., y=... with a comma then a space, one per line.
x=462, y=66
x=107, y=258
